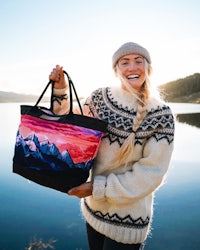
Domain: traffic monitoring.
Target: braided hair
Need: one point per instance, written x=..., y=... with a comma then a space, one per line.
x=125, y=153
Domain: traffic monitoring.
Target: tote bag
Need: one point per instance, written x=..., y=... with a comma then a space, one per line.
x=56, y=151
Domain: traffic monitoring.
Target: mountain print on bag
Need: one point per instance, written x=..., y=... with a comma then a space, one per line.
x=51, y=151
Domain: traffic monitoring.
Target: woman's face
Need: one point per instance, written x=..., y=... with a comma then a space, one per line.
x=132, y=68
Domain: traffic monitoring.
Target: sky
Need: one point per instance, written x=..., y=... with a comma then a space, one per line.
x=82, y=35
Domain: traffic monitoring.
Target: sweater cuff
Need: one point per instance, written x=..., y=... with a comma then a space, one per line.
x=60, y=91
x=99, y=186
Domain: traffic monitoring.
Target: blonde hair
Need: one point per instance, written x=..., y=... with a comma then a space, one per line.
x=125, y=153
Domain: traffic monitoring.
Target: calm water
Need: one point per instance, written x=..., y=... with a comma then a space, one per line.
x=28, y=210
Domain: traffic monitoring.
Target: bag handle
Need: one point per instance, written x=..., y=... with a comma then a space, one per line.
x=71, y=90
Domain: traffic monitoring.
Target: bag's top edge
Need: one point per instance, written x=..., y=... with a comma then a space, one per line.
x=74, y=119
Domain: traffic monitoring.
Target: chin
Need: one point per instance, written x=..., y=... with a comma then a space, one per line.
x=135, y=86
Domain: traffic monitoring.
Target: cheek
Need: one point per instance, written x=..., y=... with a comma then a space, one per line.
x=120, y=71
x=143, y=79
x=142, y=69
x=142, y=73
x=123, y=73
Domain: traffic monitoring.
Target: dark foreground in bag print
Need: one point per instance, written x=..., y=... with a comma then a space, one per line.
x=56, y=151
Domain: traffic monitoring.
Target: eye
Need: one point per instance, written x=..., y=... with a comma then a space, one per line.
x=124, y=63
x=139, y=62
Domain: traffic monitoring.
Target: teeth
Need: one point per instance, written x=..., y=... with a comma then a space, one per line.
x=133, y=76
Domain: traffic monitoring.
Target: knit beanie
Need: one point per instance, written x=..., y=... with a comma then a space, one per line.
x=130, y=48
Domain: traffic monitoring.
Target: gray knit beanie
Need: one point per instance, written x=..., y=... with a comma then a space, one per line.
x=130, y=48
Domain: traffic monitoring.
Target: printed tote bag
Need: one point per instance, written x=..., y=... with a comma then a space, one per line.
x=56, y=151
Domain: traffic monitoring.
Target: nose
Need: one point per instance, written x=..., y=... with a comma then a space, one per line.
x=132, y=66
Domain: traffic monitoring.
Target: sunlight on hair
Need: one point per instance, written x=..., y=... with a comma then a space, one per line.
x=126, y=151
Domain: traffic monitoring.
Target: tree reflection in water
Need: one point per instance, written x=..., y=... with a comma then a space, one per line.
x=191, y=119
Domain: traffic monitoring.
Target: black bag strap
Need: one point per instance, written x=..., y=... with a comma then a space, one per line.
x=71, y=91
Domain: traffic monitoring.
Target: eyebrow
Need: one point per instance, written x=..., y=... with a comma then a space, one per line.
x=124, y=58
x=139, y=57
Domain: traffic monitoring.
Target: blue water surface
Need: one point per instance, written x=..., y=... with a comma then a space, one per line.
x=29, y=211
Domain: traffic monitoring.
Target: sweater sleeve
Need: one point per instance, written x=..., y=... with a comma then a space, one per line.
x=60, y=101
x=145, y=176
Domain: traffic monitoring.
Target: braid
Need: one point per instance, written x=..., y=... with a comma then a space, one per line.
x=141, y=112
x=141, y=109
x=124, y=155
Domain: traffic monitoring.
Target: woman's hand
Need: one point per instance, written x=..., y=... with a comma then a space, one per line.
x=81, y=191
x=58, y=77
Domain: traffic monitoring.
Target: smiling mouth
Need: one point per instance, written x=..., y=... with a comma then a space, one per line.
x=133, y=77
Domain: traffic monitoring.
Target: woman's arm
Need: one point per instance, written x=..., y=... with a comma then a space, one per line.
x=59, y=95
x=61, y=104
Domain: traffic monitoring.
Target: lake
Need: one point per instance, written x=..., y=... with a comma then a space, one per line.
x=29, y=211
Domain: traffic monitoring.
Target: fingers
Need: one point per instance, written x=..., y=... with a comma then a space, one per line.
x=56, y=74
x=73, y=191
x=81, y=191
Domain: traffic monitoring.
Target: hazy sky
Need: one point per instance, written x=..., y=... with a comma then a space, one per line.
x=82, y=35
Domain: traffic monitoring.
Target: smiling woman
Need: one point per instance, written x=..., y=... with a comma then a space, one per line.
x=132, y=64
x=132, y=68
x=130, y=165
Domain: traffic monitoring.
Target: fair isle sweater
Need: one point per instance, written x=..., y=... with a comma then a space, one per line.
x=121, y=205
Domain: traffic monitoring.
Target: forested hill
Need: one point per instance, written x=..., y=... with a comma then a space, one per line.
x=182, y=90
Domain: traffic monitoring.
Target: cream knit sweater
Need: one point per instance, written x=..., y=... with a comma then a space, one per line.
x=121, y=205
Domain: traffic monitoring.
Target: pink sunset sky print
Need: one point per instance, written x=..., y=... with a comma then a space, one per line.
x=87, y=140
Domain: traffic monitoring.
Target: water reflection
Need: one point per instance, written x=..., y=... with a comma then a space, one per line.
x=191, y=119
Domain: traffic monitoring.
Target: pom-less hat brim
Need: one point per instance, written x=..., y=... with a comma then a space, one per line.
x=130, y=48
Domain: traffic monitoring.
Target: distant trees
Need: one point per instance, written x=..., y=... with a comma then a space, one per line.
x=182, y=90
x=191, y=119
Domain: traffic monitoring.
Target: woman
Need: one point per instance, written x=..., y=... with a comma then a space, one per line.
x=133, y=158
